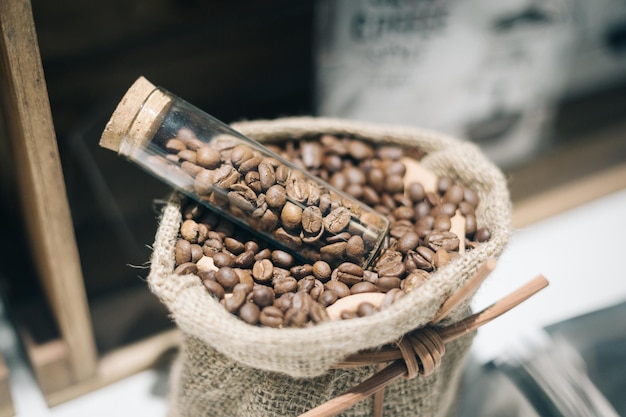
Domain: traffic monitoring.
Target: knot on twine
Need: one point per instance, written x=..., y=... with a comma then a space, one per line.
x=421, y=351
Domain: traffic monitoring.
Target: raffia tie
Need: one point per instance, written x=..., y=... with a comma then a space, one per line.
x=420, y=352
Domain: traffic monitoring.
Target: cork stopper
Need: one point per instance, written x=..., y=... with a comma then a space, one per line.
x=129, y=126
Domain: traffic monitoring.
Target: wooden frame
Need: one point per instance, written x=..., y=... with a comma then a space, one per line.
x=6, y=403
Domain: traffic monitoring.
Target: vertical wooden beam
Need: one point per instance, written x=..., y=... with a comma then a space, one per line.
x=6, y=403
x=41, y=185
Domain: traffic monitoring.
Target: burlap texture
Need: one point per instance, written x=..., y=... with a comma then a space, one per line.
x=230, y=368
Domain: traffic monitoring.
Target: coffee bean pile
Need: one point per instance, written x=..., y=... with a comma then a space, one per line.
x=267, y=195
x=265, y=285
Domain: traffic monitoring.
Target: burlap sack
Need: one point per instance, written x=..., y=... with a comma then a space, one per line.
x=229, y=368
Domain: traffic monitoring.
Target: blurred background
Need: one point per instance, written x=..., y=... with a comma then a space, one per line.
x=528, y=81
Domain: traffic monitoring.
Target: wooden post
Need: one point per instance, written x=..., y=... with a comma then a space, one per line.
x=41, y=185
x=6, y=404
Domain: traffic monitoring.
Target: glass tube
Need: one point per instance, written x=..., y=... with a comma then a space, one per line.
x=241, y=179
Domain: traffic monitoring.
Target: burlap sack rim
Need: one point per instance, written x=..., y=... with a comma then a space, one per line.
x=311, y=351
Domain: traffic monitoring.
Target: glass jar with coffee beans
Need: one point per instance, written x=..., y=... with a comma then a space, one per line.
x=264, y=285
x=242, y=180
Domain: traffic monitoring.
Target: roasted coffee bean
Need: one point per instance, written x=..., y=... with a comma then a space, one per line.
x=263, y=270
x=400, y=228
x=283, y=174
x=391, y=297
x=408, y=242
x=267, y=175
x=207, y=157
x=404, y=213
x=442, y=257
x=233, y=245
x=421, y=209
x=338, y=287
x=302, y=301
x=354, y=190
x=227, y=277
x=186, y=268
x=392, y=269
x=470, y=225
x=482, y=234
x=470, y=197
x=333, y=252
x=271, y=317
x=212, y=246
x=182, y=251
x=175, y=145
x=446, y=240
x=263, y=296
x=366, y=309
x=306, y=283
x=235, y=301
x=291, y=216
x=415, y=191
x=240, y=154
x=283, y=302
x=312, y=220
x=454, y=194
x=297, y=190
x=189, y=231
x=327, y=297
x=322, y=270
x=221, y=259
x=276, y=196
x=301, y=271
x=282, y=259
x=251, y=245
x=263, y=254
x=318, y=313
x=337, y=220
x=443, y=183
x=386, y=283
x=244, y=260
x=391, y=152
x=268, y=221
x=225, y=176
x=338, y=180
x=214, y=288
x=190, y=168
x=196, y=252
x=285, y=285
x=290, y=240
x=466, y=208
x=360, y=150
x=349, y=273
x=189, y=138
x=354, y=175
x=396, y=168
x=363, y=287
x=442, y=222
x=245, y=276
x=318, y=288
x=295, y=317
x=414, y=280
x=250, y=313
x=355, y=249
x=394, y=184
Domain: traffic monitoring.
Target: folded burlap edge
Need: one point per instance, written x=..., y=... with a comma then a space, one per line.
x=308, y=352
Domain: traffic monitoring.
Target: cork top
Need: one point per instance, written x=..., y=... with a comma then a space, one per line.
x=127, y=122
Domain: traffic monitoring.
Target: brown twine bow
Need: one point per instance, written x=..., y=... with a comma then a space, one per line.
x=420, y=352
